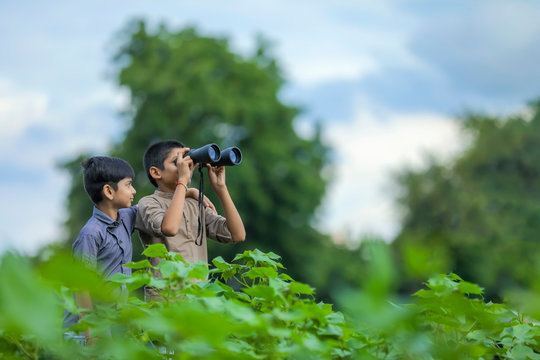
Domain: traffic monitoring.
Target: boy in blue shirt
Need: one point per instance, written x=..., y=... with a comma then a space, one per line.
x=104, y=242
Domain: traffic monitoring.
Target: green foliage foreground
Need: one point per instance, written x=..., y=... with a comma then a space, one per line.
x=250, y=309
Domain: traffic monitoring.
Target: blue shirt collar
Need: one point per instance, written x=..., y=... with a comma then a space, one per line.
x=101, y=216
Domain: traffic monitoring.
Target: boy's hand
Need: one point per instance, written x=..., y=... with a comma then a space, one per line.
x=216, y=174
x=194, y=194
x=185, y=166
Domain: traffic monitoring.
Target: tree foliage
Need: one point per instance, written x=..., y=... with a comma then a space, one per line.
x=479, y=216
x=193, y=88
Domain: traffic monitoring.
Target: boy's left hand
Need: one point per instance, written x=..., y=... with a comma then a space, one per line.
x=216, y=174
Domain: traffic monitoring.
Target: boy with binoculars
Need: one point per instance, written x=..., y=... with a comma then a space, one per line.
x=169, y=218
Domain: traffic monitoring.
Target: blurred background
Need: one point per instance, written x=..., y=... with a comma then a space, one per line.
x=417, y=123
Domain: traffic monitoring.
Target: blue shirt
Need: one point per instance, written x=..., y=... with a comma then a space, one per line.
x=105, y=244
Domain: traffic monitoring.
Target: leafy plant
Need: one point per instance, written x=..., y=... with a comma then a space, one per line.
x=250, y=309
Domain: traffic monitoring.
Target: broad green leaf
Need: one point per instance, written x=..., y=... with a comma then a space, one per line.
x=299, y=288
x=158, y=283
x=241, y=313
x=63, y=270
x=260, y=291
x=198, y=270
x=331, y=330
x=258, y=258
x=143, y=264
x=155, y=250
x=132, y=282
x=285, y=277
x=469, y=288
x=167, y=268
x=261, y=273
x=27, y=304
x=522, y=352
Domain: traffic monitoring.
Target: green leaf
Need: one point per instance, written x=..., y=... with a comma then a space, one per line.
x=143, y=264
x=260, y=291
x=220, y=263
x=62, y=270
x=522, y=352
x=299, y=288
x=331, y=330
x=241, y=313
x=469, y=288
x=261, y=273
x=258, y=258
x=158, y=283
x=169, y=268
x=198, y=270
x=155, y=250
x=454, y=277
x=285, y=277
x=120, y=278
x=27, y=304
x=227, y=270
x=132, y=282
x=425, y=294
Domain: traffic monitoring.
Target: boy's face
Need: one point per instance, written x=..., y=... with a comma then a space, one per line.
x=123, y=196
x=169, y=174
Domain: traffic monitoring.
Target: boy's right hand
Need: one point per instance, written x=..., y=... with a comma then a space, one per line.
x=185, y=166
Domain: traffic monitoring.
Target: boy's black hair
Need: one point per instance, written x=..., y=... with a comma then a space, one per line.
x=99, y=171
x=156, y=154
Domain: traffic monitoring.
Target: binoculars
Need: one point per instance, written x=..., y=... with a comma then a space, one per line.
x=211, y=154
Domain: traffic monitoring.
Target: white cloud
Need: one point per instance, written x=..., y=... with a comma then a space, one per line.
x=359, y=200
x=317, y=69
x=19, y=108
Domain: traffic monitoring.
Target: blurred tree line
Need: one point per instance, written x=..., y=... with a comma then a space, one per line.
x=478, y=215
x=194, y=89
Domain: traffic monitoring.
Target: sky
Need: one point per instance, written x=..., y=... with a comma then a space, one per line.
x=387, y=80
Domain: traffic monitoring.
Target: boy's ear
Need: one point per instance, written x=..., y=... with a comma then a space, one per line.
x=155, y=172
x=108, y=192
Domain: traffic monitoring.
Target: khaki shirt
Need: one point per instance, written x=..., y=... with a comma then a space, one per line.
x=150, y=216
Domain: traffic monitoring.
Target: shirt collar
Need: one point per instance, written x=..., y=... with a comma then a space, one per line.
x=163, y=194
x=101, y=216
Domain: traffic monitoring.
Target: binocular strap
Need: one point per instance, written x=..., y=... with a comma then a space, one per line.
x=200, y=231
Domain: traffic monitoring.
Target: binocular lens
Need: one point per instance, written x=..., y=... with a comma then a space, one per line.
x=233, y=157
x=213, y=154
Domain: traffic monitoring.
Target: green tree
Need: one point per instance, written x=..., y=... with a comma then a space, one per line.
x=478, y=216
x=193, y=88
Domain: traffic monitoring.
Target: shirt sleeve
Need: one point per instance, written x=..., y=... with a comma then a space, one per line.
x=216, y=227
x=130, y=217
x=149, y=217
x=85, y=249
